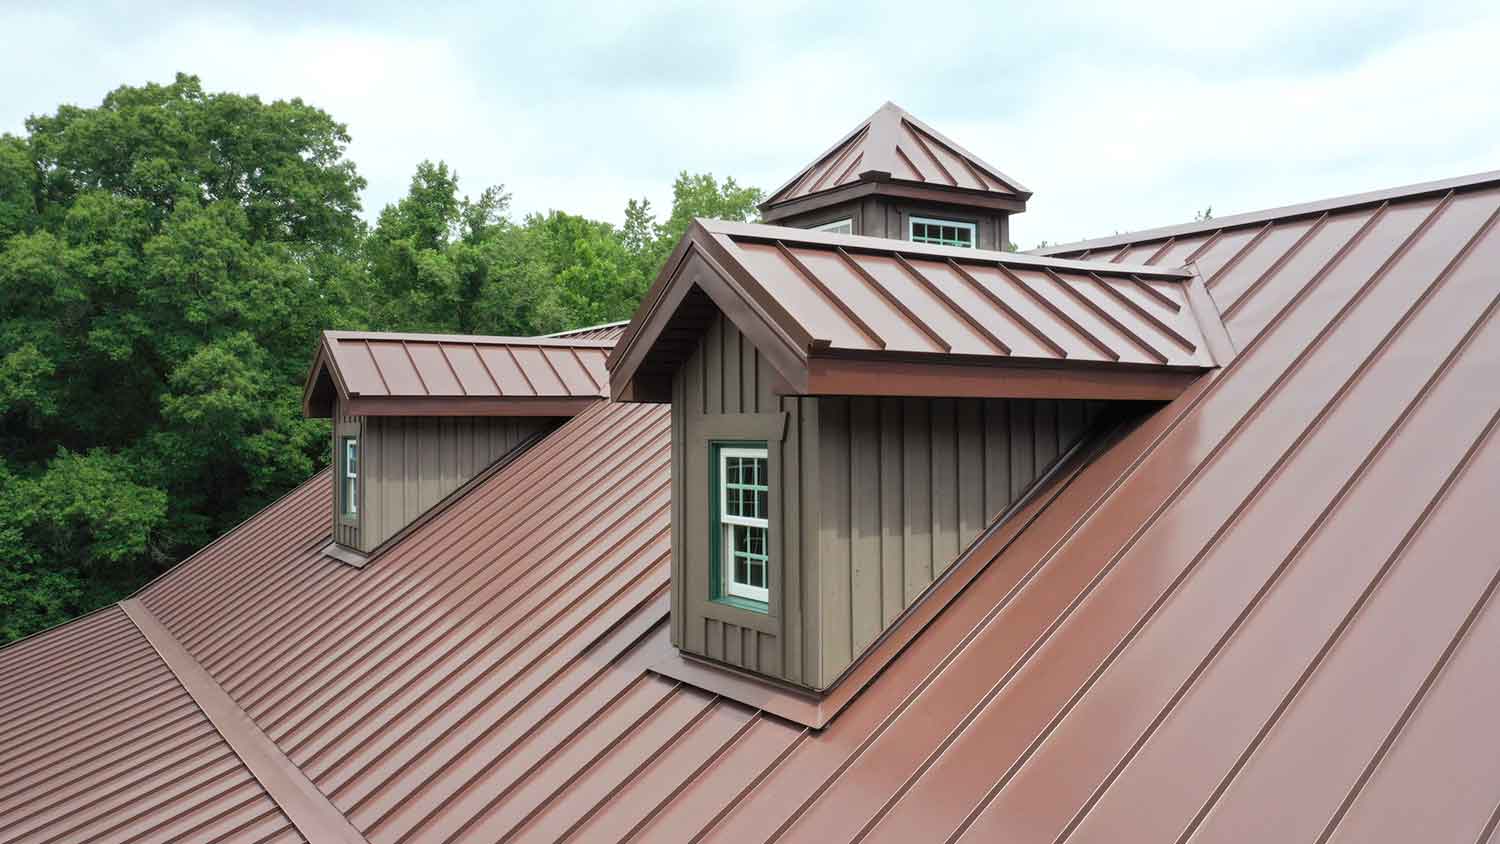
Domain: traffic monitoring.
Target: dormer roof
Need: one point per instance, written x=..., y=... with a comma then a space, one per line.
x=893, y=152
x=848, y=315
x=389, y=374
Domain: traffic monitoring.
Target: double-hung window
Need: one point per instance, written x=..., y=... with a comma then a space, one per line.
x=349, y=475
x=941, y=232
x=742, y=513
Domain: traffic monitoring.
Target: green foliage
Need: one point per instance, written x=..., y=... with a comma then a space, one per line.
x=167, y=260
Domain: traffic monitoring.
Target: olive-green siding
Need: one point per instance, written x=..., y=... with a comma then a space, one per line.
x=871, y=501
x=408, y=464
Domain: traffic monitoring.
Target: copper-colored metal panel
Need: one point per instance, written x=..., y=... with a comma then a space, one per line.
x=398, y=371
x=625, y=806
x=539, y=371
x=1259, y=301
x=1260, y=257
x=893, y=316
x=580, y=381
x=1336, y=722
x=1227, y=576
x=469, y=369
x=1438, y=773
x=507, y=372
x=818, y=316
x=107, y=746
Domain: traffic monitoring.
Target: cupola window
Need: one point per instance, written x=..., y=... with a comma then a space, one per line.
x=841, y=226
x=941, y=232
x=743, y=531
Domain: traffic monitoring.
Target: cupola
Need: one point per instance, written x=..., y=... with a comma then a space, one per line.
x=894, y=176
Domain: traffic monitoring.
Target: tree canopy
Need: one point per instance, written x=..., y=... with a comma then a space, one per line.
x=167, y=259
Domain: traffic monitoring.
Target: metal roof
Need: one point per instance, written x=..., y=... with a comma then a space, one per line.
x=607, y=332
x=1267, y=613
x=437, y=374
x=99, y=742
x=893, y=146
x=829, y=296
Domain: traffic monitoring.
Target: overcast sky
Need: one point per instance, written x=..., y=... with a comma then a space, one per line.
x=1118, y=115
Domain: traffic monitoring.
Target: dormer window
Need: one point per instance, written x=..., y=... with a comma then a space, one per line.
x=742, y=509
x=842, y=226
x=349, y=475
x=941, y=232
x=417, y=417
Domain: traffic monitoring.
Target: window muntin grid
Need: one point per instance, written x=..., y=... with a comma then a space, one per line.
x=350, y=475
x=844, y=226
x=744, y=495
x=941, y=232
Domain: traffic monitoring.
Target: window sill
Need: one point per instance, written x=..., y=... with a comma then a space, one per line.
x=747, y=604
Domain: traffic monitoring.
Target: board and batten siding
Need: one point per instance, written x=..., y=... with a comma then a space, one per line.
x=408, y=464
x=871, y=500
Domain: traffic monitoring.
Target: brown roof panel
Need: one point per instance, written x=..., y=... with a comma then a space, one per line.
x=100, y=742
x=429, y=374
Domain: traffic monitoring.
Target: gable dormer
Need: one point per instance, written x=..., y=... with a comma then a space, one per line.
x=850, y=414
x=894, y=176
x=416, y=417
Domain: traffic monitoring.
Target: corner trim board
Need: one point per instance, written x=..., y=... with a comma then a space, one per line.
x=304, y=805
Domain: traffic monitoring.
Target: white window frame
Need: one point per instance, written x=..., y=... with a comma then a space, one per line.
x=729, y=586
x=911, y=226
x=349, y=475
x=836, y=224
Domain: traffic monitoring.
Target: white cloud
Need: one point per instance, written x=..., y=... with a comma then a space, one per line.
x=1118, y=116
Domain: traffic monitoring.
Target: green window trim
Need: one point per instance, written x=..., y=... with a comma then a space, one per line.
x=349, y=475
x=942, y=232
x=739, y=536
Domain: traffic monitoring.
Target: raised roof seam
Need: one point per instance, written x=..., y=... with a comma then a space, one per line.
x=299, y=799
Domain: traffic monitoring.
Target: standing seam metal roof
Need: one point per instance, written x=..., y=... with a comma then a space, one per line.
x=1268, y=613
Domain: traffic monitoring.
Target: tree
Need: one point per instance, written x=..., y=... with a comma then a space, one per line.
x=167, y=260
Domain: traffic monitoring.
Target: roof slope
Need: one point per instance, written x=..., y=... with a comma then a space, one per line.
x=388, y=373
x=99, y=742
x=1266, y=613
x=892, y=145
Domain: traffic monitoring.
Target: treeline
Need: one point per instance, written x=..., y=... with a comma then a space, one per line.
x=167, y=260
